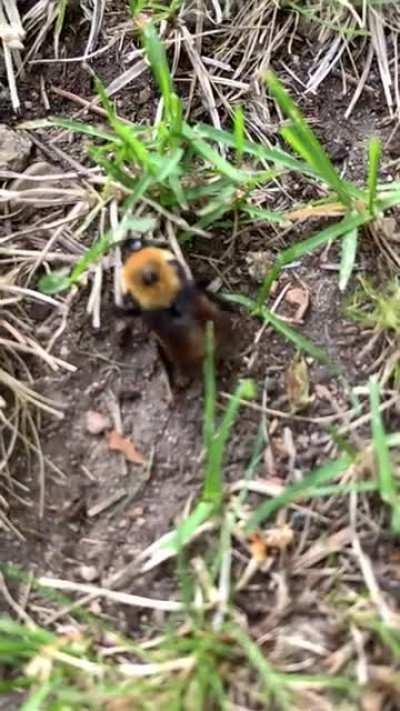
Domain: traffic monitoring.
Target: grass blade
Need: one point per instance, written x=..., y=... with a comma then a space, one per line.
x=374, y=155
x=300, y=490
x=348, y=258
x=157, y=57
x=37, y=699
x=302, y=344
x=260, y=213
x=387, y=484
x=239, y=132
x=85, y=128
x=349, y=223
x=273, y=688
x=213, y=490
x=305, y=143
x=212, y=156
x=272, y=155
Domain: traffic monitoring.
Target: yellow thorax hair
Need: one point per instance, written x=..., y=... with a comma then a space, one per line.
x=150, y=278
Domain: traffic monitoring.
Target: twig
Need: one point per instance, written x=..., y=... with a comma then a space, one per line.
x=123, y=598
x=14, y=605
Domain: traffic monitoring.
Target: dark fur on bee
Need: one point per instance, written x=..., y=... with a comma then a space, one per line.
x=176, y=309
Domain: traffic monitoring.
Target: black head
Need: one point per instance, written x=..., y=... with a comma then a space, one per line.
x=150, y=275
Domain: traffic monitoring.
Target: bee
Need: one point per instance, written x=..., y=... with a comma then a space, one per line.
x=176, y=309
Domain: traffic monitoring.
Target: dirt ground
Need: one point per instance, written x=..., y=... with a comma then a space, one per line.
x=104, y=511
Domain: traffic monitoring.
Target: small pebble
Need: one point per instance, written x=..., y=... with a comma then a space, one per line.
x=96, y=423
x=136, y=512
x=88, y=573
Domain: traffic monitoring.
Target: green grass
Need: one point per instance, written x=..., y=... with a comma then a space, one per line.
x=54, y=672
x=388, y=484
x=198, y=666
x=360, y=205
x=193, y=668
x=158, y=10
x=204, y=178
x=376, y=307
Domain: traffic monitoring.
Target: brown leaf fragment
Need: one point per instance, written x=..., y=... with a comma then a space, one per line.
x=372, y=700
x=339, y=658
x=308, y=700
x=385, y=678
x=330, y=210
x=96, y=423
x=322, y=392
x=298, y=385
x=118, y=443
x=280, y=538
x=300, y=298
x=322, y=549
x=258, y=547
x=388, y=228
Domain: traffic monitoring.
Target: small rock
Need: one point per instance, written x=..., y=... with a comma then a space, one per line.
x=259, y=264
x=144, y=95
x=95, y=608
x=88, y=573
x=136, y=512
x=96, y=423
x=39, y=310
x=15, y=148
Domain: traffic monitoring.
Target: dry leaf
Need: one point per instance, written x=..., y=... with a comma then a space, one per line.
x=96, y=423
x=269, y=461
x=322, y=392
x=305, y=213
x=118, y=443
x=297, y=385
x=280, y=538
x=258, y=547
x=322, y=549
x=300, y=298
x=385, y=677
x=372, y=700
x=277, y=538
x=388, y=227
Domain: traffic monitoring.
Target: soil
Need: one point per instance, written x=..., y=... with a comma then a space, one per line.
x=137, y=503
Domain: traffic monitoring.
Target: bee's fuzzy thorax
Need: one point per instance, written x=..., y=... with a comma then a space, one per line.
x=151, y=278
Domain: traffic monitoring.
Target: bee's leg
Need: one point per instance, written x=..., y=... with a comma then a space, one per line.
x=128, y=307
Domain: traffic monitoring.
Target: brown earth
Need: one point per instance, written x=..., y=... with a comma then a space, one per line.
x=130, y=379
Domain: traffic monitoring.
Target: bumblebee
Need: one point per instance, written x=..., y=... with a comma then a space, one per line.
x=176, y=309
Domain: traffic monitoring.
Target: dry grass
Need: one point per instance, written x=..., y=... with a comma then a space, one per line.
x=26, y=351
x=227, y=66
x=22, y=34
x=302, y=612
x=21, y=405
